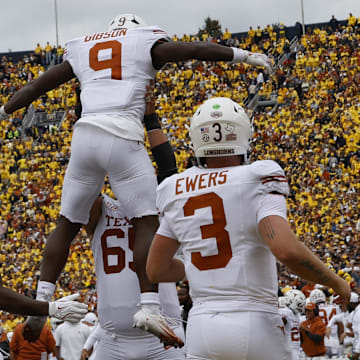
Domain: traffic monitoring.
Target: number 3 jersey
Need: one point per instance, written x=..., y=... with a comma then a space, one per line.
x=113, y=69
x=117, y=285
x=214, y=214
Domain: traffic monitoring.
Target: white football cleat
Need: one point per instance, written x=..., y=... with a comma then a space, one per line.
x=148, y=318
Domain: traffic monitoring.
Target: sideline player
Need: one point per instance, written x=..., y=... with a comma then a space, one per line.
x=113, y=68
x=295, y=305
x=230, y=220
x=326, y=313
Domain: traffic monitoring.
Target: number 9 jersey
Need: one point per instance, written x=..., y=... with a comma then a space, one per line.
x=214, y=214
x=113, y=69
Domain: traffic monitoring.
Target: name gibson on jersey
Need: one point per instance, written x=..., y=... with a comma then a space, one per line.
x=199, y=182
x=105, y=35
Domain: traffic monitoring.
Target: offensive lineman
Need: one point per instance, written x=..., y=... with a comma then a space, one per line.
x=230, y=220
x=113, y=68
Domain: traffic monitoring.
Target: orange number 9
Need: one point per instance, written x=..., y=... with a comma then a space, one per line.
x=214, y=230
x=114, y=63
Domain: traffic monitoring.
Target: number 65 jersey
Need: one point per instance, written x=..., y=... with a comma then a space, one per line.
x=214, y=214
x=113, y=69
x=117, y=285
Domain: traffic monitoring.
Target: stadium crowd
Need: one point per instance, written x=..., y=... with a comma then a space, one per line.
x=313, y=132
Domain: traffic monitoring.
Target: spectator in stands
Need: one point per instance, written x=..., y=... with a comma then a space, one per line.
x=22, y=349
x=48, y=53
x=260, y=79
x=59, y=54
x=355, y=273
x=351, y=20
x=53, y=54
x=313, y=332
x=252, y=90
x=251, y=33
x=258, y=35
x=226, y=34
x=334, y=24
x=39, y=54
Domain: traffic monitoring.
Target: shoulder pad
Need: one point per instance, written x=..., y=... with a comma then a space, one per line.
x=162, y=192
x=155, y=31
x=271, y=176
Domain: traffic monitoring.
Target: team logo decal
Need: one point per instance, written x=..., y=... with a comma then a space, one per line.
x=205, y=137
x=229, y=128
x=216, y=114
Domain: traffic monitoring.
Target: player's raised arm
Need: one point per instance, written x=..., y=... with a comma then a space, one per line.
x=51, y=79
x=163, y=52
x=159, y=143
x=64, y=308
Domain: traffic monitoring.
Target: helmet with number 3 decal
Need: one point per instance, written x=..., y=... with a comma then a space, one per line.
x=126, y=21
x=220, y=127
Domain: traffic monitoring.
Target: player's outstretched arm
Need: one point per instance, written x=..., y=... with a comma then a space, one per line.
x=163, y=52
x=284, y=244
x=51, y=79
x=64, y=309
x=15, y=303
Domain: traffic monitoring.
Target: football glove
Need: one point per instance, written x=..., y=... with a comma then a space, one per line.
x=68, y=309
x=257, y=59
x=254, y=59
x=3, y=113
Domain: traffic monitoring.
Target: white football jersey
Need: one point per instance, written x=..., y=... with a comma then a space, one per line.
x=113, y=69
x=214, y=214
x=327, y=312
x=291, y=327
x=117, y=285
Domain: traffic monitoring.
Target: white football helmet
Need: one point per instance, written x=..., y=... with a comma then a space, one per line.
x=282, y=301
x=296, y=300
x=126, y=21
x=317, y=296
x=220, y=127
